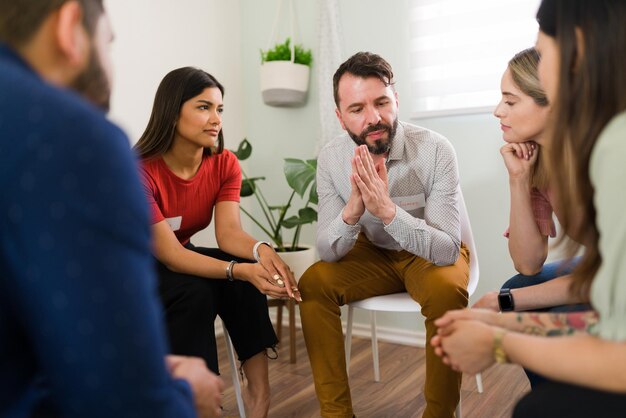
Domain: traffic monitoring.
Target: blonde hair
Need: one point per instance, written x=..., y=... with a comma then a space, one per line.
x=523, y=68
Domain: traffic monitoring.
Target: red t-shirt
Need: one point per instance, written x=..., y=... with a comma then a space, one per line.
x=187, y=205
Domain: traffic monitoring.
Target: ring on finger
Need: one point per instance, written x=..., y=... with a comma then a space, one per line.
x=279, y=281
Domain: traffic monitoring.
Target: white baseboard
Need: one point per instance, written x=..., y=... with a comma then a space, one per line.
x=387, y=334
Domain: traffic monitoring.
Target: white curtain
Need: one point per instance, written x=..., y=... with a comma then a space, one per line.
x=326, y=63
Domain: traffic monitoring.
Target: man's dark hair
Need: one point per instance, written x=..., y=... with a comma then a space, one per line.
x=364, y=65
x=21, y=19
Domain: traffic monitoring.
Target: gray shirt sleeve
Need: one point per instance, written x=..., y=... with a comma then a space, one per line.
x=437, y=237
x=334, y=237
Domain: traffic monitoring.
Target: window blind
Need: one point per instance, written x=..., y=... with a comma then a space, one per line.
x=459, y=50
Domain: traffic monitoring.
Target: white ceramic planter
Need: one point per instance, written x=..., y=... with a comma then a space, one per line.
x=284, y=83
x=299, y=261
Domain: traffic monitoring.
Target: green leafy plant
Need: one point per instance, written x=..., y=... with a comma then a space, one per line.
x=282, y=52
x=300, y=176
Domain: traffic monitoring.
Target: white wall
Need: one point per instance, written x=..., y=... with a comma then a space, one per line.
x=224, y=38
x=276, y=133
x=153, y=37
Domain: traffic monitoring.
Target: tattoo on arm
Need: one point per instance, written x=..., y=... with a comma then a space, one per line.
x=555, y=324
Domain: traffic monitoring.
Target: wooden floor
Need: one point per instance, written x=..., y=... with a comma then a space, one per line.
x=397, y=395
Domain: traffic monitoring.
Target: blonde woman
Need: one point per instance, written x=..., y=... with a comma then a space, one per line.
x=523, y=112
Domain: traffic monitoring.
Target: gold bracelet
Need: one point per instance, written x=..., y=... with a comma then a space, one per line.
x=499, y=354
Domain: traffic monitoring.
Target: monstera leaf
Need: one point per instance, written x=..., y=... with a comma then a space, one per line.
x=300, y=176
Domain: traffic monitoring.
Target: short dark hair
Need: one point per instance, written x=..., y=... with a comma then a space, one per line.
x=21, y=19
x=175, y=89
x=364, y=65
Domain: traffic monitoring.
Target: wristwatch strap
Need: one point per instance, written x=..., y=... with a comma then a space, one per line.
x=505, y=300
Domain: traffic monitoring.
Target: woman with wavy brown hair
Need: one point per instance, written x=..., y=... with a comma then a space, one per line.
x=582, y=44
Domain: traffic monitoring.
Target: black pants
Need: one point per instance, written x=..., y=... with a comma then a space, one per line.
x=553, y=399
x=192, y=303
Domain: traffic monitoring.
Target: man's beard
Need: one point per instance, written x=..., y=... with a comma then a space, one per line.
x=93, y=83
x=380, y=146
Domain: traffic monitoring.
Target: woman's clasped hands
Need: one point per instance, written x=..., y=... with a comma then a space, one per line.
x=272, y=276
x=465, y=339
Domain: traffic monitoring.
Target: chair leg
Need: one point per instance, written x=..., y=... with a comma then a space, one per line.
x=234, y=373
x=479, y=382
x=348, y=343
x=291, y=306
x=374, y=346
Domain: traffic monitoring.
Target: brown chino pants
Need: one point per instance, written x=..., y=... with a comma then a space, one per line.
x=368, y=271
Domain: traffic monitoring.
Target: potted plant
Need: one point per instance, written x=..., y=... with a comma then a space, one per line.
x=285, y=74
x=300, y=176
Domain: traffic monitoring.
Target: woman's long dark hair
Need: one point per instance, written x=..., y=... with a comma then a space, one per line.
x=591, y=91
x=175, y=89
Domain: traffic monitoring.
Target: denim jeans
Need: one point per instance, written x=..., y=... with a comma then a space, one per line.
x=548, y=272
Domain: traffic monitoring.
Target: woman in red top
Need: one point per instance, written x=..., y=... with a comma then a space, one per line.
x=187, y=174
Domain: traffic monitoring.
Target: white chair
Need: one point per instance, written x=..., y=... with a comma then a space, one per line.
x=234, y=372
x=402, y=302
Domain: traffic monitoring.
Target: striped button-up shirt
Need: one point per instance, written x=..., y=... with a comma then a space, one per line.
x=423, y=183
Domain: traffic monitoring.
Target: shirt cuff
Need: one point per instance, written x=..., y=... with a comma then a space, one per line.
x=343, y=230
x=394, y=218
x=184, y=387
x=402, y=224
